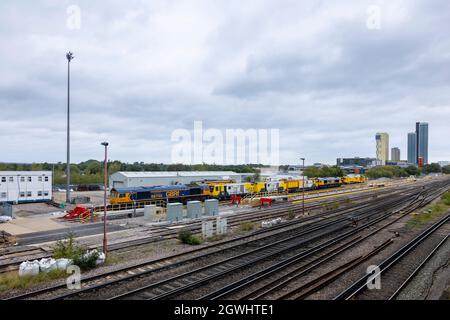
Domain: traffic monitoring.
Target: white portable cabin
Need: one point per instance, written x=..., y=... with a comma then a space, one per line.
x=238, y=188
x=25, y=186
x=272, y=186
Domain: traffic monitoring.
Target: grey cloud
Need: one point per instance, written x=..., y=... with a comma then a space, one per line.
x=142, y=70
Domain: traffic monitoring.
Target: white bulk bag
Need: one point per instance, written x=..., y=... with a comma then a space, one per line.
x=4, y=219
x=101, y=258
x=63, y=263
x=29, y=268
x=47, y=264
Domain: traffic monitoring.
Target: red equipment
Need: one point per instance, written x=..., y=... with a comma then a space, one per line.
x=420, y=162
x=78, y=212
x=266, y=200
x=235, y=199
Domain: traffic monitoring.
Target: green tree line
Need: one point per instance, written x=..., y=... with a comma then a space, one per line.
x=91, y=171
x=397, y=172
x=332, y=171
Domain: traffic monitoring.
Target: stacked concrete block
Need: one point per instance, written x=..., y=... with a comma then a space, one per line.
x=212, y=207
x=194, y=209
x=221, y=226
x=207, y=229
x=150, y=212
x=174, y=211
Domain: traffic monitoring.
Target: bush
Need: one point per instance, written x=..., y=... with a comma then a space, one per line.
x=387, y=172
x=186, y=237
x=247, y=226
x=291, y=215
x=68, y=249
x=86, y=260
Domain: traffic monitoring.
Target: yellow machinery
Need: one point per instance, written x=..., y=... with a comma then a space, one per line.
x=331, y=182
x=290, y=184
x=353, y=178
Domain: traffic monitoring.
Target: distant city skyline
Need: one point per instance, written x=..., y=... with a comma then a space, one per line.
x=395, y=154
x=382, y=146
x=422, y=141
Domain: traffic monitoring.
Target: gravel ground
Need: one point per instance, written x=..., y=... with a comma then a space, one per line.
x=347, y=279
x=433, y=280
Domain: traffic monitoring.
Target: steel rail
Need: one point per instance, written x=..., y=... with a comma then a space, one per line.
x=360, y=285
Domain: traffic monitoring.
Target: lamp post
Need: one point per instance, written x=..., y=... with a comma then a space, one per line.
x=105, y=181
x=69, y=57
x=303, y=185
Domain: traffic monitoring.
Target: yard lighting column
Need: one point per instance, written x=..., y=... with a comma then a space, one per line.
x=105, y=181
x=303, y=185
x=69, y=57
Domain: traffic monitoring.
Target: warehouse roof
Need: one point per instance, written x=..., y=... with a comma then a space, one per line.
x=24, y=173
x=155, y=174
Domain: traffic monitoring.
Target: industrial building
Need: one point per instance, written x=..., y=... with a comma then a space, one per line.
x=395, y=154
x=357, y=161
x=25, y=186
x=399, y=163
x=382, y=146
x=126, y=179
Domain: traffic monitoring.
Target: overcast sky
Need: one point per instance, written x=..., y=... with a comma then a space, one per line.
x=327, y=74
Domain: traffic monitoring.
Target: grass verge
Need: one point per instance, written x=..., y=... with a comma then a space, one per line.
x=12, y=280
x=430, y=212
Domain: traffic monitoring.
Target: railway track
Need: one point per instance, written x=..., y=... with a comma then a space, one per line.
x=277, y=277
x=400, y=267
x=181, y=286
x=166, y=263
x=278, y=285
x=163, y=233
x=177, y=289
x=165, y=277
x=283, y=288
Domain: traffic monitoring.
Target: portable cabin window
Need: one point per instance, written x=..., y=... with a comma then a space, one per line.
x=40, y=179
x=29, y=179
x=46, y=179
x=3, y=179
x=22, y=194
x=45, y=193
x=3, y=195
x=29, y=194
x=11, y=179
x=39, y=193
x=22, y=179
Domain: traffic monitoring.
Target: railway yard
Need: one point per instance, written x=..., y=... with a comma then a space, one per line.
x=321, y=253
